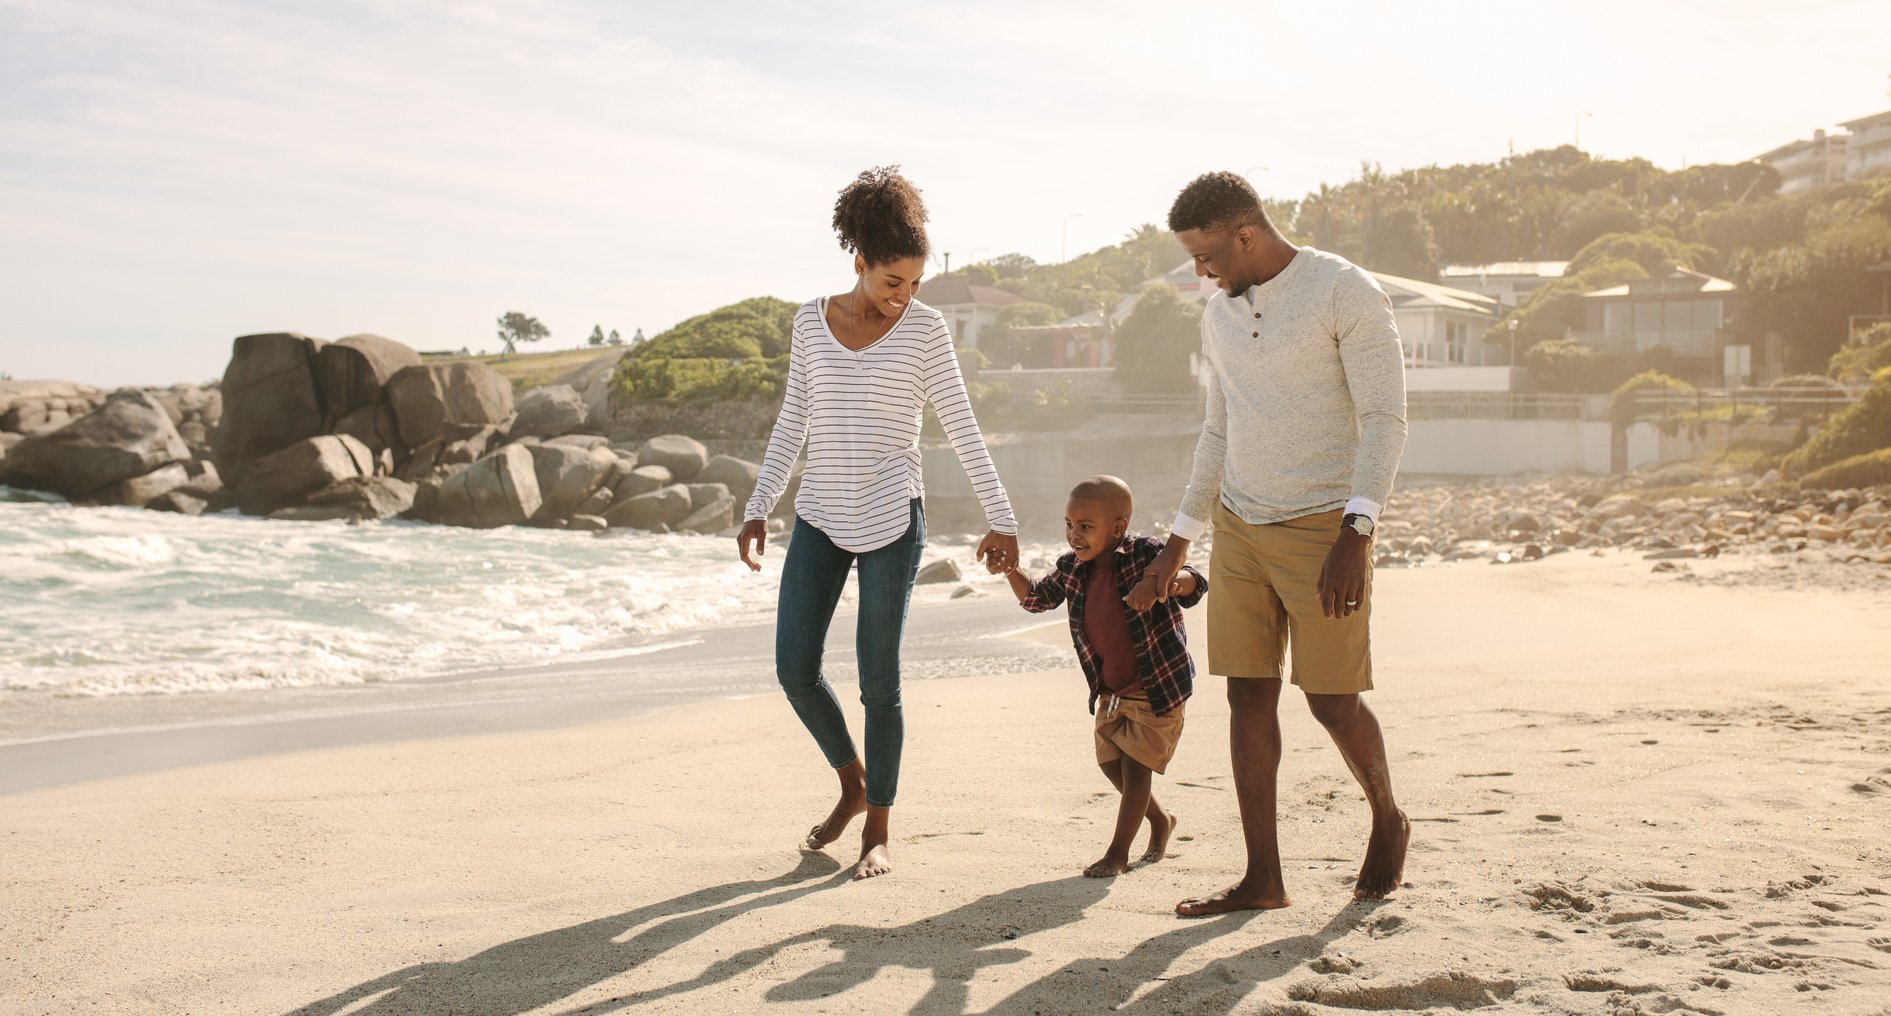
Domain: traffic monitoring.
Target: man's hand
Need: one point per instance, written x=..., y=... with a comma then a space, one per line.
x=754, y=531
x=1159, y=576
x=999, y=552
x=1342, y=588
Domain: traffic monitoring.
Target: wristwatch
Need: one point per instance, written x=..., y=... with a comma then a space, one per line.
x=1361, y=524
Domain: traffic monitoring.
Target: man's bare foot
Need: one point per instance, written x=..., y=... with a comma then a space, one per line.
x=851, y=803
x=873, y=862
x=1385, y=859
x=1235, y=897
x=1109, y=867
x=1159, y=833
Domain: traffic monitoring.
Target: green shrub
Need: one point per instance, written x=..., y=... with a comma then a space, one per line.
x=697, y=379
x=1865, y=427
x=1652, y=382
x=1867, y=470
x=1867, y=353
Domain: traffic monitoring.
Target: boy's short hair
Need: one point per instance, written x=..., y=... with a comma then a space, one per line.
x=1109, y=491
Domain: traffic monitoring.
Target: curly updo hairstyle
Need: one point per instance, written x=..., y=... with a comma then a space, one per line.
x=1216, y=201
x=880, y=217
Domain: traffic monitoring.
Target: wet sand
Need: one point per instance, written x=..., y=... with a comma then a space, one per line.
x=1631, y=793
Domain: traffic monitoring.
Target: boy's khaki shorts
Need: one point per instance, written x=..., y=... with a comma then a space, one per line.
x=1266, y=596
x=1127, y=726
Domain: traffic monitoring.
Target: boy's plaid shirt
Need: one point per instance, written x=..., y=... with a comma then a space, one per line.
x=1162, y=660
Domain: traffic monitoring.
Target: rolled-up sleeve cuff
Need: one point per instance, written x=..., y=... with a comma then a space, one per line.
x=1187, y=528
x=1364, y=506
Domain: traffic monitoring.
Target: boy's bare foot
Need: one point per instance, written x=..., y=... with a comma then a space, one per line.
x=1109, y=867
x=873, y=862
x=1385, y=859
x=1159, y=832
x=1235, y=897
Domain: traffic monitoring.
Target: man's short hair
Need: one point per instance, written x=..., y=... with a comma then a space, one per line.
x=1214, y=201
x=1108, y=491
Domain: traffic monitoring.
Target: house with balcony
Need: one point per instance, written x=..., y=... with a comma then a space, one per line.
x=1808, y=165
x=1868, y=150
x=1685, y=313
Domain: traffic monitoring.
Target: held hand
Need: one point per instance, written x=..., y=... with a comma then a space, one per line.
x=754, y=531
x=1342, y=588
x=1182, y=585
x=999, y=552
x=1159, y=578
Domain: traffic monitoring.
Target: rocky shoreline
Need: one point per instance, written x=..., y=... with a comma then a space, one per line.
x=361, y=429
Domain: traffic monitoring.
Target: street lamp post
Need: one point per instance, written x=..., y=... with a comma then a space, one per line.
x=1513, y=343
x=1064, y=249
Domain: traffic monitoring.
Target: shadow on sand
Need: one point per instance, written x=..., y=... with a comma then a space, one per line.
x=953, y=947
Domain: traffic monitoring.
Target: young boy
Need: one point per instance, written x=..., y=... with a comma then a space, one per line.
x=1137, y=662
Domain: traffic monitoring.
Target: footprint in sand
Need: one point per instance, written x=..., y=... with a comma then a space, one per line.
x=1484, y=776
x=1883, y=945
x=1450, y=989
x=1549, y=818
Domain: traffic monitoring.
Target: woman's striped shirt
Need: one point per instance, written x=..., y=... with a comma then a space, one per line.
x=857, y=412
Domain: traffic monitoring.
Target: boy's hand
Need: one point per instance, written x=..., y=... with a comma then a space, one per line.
x=1156, y=580
x=1183, y=584
x=753, y=531
x=999, y=552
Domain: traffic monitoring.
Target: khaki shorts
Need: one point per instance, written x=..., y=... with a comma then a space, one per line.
x=1127, y=726
x=1266, y=597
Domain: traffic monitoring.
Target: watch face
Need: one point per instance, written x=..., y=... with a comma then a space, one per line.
x=1362, y=525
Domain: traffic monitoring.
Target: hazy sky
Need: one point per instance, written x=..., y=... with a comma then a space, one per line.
x=174, y=174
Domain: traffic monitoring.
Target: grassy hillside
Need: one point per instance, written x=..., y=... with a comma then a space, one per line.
x=530, y=370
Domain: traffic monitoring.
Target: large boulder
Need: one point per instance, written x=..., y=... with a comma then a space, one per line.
x=353, y=372
x=270, y=400
x=641, y=480
x=139, y=491
x=498, y=490
x=550, y=411
x=711, y=509
x=36, y=408
x=592, y=382
x=290, y=476
x=567, y=477
x=448, y=401
x=683, y=456
x=665, y=507
x=358, y=499
x=733, y=473
x=129, y=436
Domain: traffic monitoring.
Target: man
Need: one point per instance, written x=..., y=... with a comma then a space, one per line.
x=1305, y=424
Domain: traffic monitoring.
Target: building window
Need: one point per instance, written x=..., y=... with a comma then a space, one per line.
x=1454, y=341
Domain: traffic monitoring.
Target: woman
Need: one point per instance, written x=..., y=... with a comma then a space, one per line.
x=863, y=365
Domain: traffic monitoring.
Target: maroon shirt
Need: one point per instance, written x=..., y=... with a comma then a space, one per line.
x=1160, y=646
x=1107, y=627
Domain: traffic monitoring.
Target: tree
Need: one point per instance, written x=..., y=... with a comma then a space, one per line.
x=1154, y=342
x=615, y=339
x=515, y=328
x=1568, y=366
x=983, y=274
x=597, y=335
x=1000, y=342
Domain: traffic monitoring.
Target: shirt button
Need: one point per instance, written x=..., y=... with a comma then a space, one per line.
x=1257, y=313
x=1257, y=335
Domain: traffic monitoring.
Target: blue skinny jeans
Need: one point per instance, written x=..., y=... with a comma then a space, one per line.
x=811, y=583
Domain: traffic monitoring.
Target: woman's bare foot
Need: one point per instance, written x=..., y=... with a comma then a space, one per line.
x=1385, y=859
x=1235, y=897
x=853, y=801
x=874, y=859
x=1160, y=829
x=1109, y=867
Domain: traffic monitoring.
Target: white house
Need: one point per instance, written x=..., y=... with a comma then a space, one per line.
x=1868, y=150
x=1441, y=326
x=1507, y=282
x=1809, y=165
x=969, y=307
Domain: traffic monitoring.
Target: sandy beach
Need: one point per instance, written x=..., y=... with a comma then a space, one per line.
x=1631, y=793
